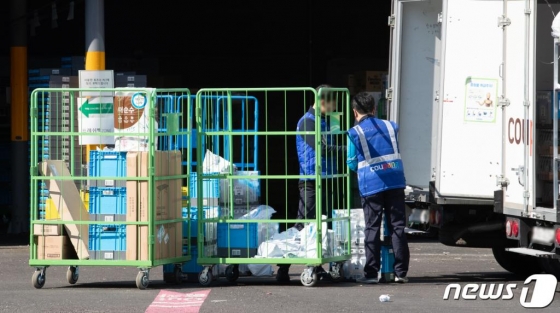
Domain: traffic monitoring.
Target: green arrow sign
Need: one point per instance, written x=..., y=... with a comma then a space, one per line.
x=96, y=108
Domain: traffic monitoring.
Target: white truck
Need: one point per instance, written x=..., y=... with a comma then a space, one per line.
x=471, y=85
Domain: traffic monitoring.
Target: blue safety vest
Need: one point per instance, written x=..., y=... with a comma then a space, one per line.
x=380, y=166
x=306, y=153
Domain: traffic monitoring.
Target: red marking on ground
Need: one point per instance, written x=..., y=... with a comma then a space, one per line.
x=175, y=302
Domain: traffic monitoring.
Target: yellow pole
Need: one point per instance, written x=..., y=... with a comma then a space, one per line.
x=19, y=117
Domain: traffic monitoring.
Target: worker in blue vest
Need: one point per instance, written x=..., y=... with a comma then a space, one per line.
x=373, y=152
x=305, y=145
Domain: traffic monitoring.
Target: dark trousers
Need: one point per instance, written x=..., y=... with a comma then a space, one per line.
x=390, y=202
x=307, y=207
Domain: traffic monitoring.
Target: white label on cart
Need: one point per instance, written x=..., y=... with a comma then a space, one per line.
x=108, y=192
x=236, y=252
x=236, y=226
x=110, y=183
x=109, y=218
x=108, y=256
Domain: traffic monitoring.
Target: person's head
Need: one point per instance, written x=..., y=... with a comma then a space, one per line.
x=363, y=104
x=327, y=99
x=488, y=96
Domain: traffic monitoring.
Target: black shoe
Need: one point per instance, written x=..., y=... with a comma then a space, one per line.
x=283, y=275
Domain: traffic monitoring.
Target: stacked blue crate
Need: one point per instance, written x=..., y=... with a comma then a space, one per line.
x=211, y=194
x=39, y=78
x=107, y=202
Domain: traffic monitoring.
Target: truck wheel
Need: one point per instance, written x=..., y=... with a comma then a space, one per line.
x=550, y=266
x=516, y=263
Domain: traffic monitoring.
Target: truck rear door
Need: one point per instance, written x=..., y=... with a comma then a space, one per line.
x=470, y=128
x=518, y=155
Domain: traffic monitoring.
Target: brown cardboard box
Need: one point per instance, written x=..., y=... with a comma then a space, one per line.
x=168, y=240
x=67, y=200
x=143, y=205
x=371, y=80
x=132, y=206
x=168, y=200
x=53, y=247
x=47, y=230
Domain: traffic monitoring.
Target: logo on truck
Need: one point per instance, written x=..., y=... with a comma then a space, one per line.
x=520, y=132
x=543, y=292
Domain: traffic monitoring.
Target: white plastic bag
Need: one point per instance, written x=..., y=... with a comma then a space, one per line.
x=266, y=231
x=259, y=270
x=309, y=239
x=215, y=164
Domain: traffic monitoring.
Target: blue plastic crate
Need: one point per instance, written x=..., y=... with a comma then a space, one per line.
x=243, y=235
x=107, y=163
x=194, y=220
x=107, y=200
x=210, y=187
x=107, y=237
x=189, y=267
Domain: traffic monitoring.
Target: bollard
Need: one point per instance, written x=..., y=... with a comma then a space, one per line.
x=387, y=254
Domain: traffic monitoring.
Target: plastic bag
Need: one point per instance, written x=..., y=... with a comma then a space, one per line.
x=260, y=269
x=266, y=231
x=214, y=163
x=309, y=239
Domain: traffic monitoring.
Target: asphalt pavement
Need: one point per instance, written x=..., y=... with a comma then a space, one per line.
x=112, y=289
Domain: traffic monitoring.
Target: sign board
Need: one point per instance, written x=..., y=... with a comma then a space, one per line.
x=95, y=115
x=97, y=79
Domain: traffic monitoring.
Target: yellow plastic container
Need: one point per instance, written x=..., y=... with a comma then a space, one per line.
x=51, y=213
x=185, y=191
x=85, y=198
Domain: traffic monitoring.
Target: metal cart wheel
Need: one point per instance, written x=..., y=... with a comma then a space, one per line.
x=205, y=277
x=142, y=280
x=232, y=273
x=178, y=274
x=337, y=272
x=72, y=275
x=39, y=278
x=309, y=277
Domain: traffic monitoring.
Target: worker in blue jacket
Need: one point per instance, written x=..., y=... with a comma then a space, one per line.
x=305, y=145
x=373, y=152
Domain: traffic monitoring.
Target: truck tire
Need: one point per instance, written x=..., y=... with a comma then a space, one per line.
x=516, y=263
x=550, y=266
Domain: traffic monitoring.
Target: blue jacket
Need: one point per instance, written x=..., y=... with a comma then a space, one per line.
x=305, y=145
x=379, y=163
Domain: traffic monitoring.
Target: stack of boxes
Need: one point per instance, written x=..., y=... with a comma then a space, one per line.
x=73, y=64
x=353, y=268
x=545, y=146
x=130, y=80
x=107, y=202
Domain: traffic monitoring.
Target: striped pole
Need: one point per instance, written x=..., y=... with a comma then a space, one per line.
x=95, y=46
x=19, y=117
x=95, y=35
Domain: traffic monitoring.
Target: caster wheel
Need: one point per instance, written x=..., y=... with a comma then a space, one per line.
x=177, y=275
x=205, y=277
x=309, y=278
x=38, y=279
x=337, y=272
x=72, y=275
x=142, y=280
x=232, y=273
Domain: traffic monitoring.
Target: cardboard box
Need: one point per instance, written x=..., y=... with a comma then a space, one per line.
x=67, y=200
x=143, y=205
x=131, y=115
x=132, y=206
x=372, y=80
x=53, y=247
x=168, y=241
x=168, y=200
x=47, y=230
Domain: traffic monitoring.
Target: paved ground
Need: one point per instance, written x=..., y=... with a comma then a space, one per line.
x=433, y=267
